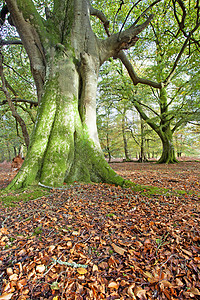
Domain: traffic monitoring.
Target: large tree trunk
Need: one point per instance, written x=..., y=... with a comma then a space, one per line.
x=65, y=57
x=64, y=144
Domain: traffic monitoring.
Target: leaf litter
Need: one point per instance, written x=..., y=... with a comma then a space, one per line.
x=98, y=241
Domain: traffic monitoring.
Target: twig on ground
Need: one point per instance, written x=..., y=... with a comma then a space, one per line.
x=73, y=264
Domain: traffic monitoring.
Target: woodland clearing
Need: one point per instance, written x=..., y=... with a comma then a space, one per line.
x=99, y=241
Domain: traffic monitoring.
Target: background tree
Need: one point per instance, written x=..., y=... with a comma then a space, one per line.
x=171, y=47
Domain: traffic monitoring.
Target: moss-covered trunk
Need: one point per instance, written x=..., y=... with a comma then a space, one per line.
x=168, y=152
x=65, y=56
x=64, y=145
x=165, y=132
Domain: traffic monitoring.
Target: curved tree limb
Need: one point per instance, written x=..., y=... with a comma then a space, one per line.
x=133, y=75
x=181, y=23
x=169, y=77
x=30, y=40
x=149, y=108
x=31, y=83
x=100, y=15
x=145, y=11
x=28, y=111
x=128, y=16
x=3, y=14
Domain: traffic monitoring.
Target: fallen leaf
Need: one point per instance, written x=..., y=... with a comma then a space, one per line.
x=103, y=265
x=113, y=285
x=55, y=285
x=95, y=268
x=9, y=271
x=117, y=249
x=40, y=268
x=51, y=248
x=81, y=271
x=4, y=230
x=6, y=296
x=75, y=233
x=13, y=277
x=69, y=244
x=194, y=291
x=140, y=293
x=131, y=292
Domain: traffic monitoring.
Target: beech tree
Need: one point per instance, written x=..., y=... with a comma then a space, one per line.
x=173, y=43
x=65, y=56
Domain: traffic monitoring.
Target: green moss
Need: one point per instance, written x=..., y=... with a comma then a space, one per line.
x=38, y=230
x=11, y=199
x=150, y=191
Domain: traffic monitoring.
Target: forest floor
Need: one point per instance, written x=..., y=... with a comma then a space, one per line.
x=98, y=241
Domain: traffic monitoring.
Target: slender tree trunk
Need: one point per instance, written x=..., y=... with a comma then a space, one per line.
x=108, y=145
x=9, y=153
x=126, y=152
x=142, y=157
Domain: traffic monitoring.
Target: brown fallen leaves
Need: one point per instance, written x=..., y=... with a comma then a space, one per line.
x=101, y=242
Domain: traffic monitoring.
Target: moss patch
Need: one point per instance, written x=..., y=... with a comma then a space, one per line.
x=155, y=191
x=11, y=199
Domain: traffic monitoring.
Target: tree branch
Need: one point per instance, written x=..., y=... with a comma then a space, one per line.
x=149, y=108
x=183, y=8
x=28, y=111
x=121, y=55
x=120, y=7
x=145, y=11
x=100, y=15
x=135, y=79
x=3, y=13
x=15, y=100
x=181, y=23
x=18, y=74
x=169, y=77
x=145, y=117
x=128, y=16
x=113, y=44
x=14, y=42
